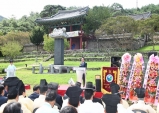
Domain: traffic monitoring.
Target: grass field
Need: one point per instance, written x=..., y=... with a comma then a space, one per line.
x=149, y=48
x=32, y=79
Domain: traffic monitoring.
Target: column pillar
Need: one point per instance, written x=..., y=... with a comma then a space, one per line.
x=80, y=42
x=70, y=43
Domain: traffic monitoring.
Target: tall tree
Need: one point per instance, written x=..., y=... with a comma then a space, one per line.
x=36, y=36
x=50, y=10
x=95, y=18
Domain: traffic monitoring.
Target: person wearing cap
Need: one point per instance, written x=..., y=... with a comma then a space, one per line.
x=65, y=97
x=11, y=69
x=49, y=103
x=40, y=101
x=36, y=92
x=140, y=106
x=88, y=84
x=89, y=106
x=115, y=90
x=3, y=99
x=25, y=100
x=13, y=96
x=111, y=101
x=73, y=94
x=54, y=86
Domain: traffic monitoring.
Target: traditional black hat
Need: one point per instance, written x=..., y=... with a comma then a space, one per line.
x=114, y=88
x=74, y=92
x=43, y=85
x=111, y=102
x=53, y=86
x=89, y=85
x=140, y=92
x=78, y=84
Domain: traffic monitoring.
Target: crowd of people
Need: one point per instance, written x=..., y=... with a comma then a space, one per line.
x=45, y=99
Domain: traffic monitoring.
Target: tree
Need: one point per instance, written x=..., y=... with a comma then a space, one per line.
x=36, y=36
x=116, y=26
x=11, y=49
x=49, y=44
x=95, y=18
x=50, y=10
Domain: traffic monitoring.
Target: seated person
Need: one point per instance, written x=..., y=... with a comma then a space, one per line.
x=54, y=86
x=140, y=106
x=68, y=109
x=36, y=92
x=49, y=103
x=73, y=93
x=3, y=99
x=111, y=102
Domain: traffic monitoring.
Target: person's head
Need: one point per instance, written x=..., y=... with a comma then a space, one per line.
x=22, y=89
x=50, y=97
x=114, y=88
x=68, y=109
x=13, y=107
x=53, y=86
x=36, y=89
x=140, y=92
x=43, y=86
x=1, y=90
x=11, y=61
x=111, y=101
x=13, y=93
x=89, y=91
x=82, y=59
x=78, y=84
x=74, y=93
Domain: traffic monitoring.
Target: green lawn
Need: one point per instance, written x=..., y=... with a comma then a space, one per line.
x=32, y=79
x=149, y=48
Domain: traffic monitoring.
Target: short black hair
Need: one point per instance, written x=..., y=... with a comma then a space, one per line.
x=68, y=109
x=13, y=107
x=73, y=101
x=88, y=93
x=13, y=92
x=50, y=95
x=1, y=89
x=36, y=87
x=43, y=89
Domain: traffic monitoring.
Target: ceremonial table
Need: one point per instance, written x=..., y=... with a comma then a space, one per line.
x=62, y=89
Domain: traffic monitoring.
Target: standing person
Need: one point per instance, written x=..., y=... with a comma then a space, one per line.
x=140, y=106
x=11, y=69
x=48, y=105
x=36, y=92
x=83, y=64
x=3, y=99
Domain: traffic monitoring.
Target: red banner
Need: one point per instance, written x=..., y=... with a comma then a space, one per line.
x=109, y=74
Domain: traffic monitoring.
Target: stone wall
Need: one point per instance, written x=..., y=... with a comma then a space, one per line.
x=31, y=47
x=115, y=43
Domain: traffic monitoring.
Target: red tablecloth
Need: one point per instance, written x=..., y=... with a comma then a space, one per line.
x=62, y=89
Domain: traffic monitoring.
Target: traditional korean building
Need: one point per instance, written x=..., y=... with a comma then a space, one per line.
x=72, y=20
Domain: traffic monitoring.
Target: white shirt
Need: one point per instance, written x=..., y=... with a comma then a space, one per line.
x=46, y=108
x=65, y=103
x=89, y=107
x=11, y=71
x=121, y=109
x=38, y=102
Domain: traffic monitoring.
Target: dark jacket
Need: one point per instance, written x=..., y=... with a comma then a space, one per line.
x=3, y=99
x=59, y=100
x=33, y=96
x=84, y=64
x=80, y=98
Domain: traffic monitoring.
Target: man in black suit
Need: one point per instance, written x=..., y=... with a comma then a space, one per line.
x=54, y=86
x=3, y=99
x=83, y=64
x=36, y=92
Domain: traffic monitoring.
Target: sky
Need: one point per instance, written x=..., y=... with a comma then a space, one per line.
x=19, y=8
